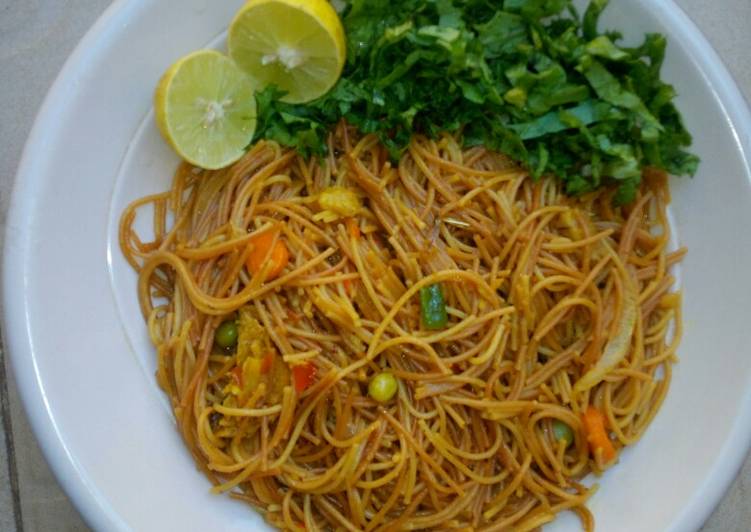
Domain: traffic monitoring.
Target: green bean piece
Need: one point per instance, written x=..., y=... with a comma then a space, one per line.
x=433, y=307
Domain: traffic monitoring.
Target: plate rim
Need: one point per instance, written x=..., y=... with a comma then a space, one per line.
x=89, y=502
x=94, y=509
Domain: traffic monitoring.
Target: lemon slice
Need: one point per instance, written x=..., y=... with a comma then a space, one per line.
x=206, y=109
x=297, y=45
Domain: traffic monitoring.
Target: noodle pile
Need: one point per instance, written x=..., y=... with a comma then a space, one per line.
x=555, y=304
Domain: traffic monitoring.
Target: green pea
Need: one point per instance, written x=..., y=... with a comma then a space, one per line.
x=382, y=387
x=226, y=334
x=561, y=431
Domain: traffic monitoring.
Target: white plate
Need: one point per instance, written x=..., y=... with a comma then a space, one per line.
x=84, y=366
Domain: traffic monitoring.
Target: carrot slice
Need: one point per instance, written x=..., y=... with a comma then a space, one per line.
x=263, y=251
x=597, y=437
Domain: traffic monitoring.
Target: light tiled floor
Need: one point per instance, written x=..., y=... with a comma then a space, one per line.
x=7, y=515
x=35, y=38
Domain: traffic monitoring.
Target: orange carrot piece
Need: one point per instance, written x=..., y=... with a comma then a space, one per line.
x=597, y=437
x=262, y=251
x=352, y=227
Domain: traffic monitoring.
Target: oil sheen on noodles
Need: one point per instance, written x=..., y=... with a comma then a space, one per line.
x=556, y=354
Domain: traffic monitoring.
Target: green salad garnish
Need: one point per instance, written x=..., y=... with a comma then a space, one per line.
x=530, y=78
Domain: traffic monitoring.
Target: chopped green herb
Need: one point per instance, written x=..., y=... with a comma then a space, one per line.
x=530, y=78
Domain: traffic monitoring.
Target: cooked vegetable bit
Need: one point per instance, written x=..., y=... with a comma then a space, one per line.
x=382, y=387
x=268, y=247
x=226, y=334
x=337, y=202
x=256, y=361
x=433, y=307
x=353, y=228
x=267, y=363
x=303, y=376
x=597, y=437
x=530, y=78
x=561, y=431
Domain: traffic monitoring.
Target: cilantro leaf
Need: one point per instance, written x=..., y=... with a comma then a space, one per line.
x=529, y=78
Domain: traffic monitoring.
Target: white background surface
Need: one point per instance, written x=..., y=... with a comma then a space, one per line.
x=35, y=38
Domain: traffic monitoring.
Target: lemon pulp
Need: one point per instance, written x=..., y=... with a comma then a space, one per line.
x=206, y=109
x=297, y=45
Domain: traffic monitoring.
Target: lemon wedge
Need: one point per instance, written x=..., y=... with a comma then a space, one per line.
x=206, y=109
x=297, y=45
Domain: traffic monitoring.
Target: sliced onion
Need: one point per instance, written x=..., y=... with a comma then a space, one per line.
x=617, y=347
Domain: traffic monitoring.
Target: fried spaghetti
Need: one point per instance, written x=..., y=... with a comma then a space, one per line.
x=556, y=352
